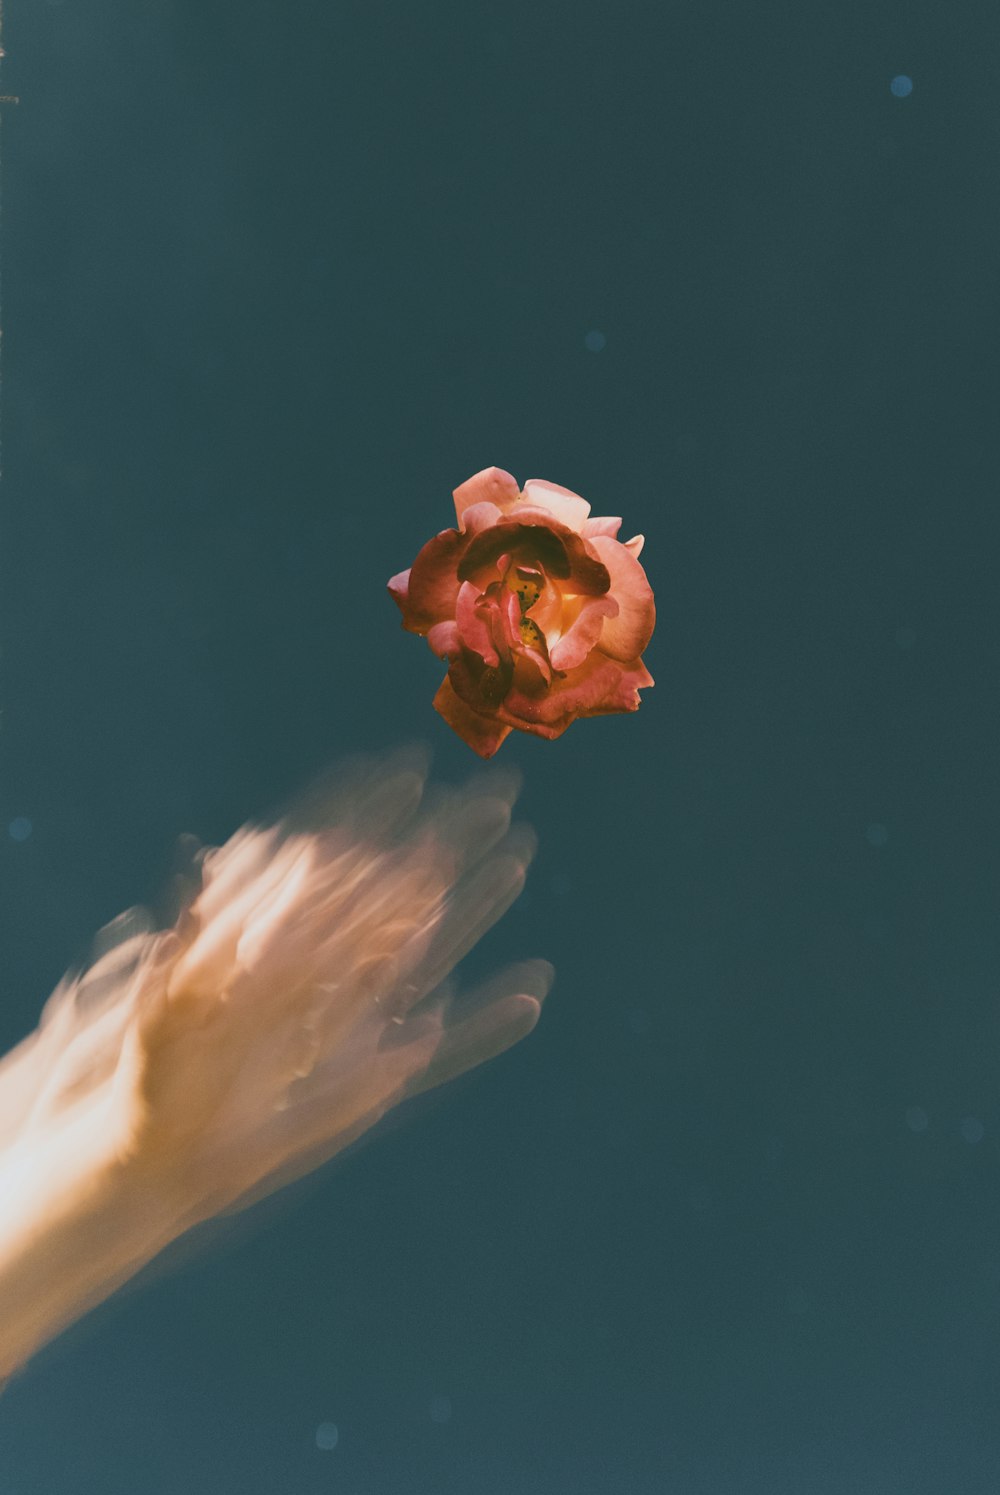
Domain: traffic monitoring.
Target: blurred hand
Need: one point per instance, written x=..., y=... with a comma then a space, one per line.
x=302, y=995
x=302, y=992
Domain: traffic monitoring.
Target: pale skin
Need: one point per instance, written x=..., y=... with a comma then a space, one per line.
x=299, y=997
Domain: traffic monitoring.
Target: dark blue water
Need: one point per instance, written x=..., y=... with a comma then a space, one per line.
x=276, y=278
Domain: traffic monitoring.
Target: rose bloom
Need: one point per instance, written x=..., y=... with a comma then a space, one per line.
x=541, y=613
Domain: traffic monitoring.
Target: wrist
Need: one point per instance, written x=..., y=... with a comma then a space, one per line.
x=75, y=1222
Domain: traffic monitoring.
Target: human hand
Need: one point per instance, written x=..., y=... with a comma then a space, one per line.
x=303, y=993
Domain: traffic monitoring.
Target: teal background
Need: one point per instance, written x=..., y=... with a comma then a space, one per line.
x=276, y=278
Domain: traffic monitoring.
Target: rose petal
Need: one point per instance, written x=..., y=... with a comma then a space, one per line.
x=481, y=686
x=596, y=687
x=445, y=640
x=625, y=694
x=635, y=545
x=569, y=508
x=473, y=626
x=479, y=516
x=483, y=734
x=433, y=586
x=578, y=640
x=549, y=730
x=626, y=636
x=510, y=611
x=532, y=671
x=559, y=551
x=609, y=527
x=399, y=587
x=547, y=612
x=492, y=485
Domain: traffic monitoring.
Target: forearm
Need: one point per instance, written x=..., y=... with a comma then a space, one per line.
x=74, y=1224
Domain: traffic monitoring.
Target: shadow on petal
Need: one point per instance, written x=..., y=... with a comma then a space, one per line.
x=482, y=733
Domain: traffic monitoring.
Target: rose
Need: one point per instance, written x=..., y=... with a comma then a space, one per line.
x=541, y=613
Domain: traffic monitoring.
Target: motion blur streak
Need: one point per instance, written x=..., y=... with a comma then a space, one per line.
x=300, y=994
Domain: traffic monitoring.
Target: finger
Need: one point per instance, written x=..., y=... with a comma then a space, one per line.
x=328, y=1108
x=253, y=879
x=470, y=821
x=480, y=1039
x=325, y=1112
x=487, y=1022
x=472, y=909
x=374, y=797
x=225, y=870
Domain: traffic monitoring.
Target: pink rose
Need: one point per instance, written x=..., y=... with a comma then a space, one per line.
x=540, y=612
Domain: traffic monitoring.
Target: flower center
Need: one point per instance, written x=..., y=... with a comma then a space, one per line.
x=528, y=583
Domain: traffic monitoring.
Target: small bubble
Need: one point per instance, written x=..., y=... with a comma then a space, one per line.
x=440, y=1409
x=902, y=86
x=973, y=1130
x=877, y=834
x=20, y=828
x=595, y=341
x=906, y=637
x=917, y=1119
x=327, y=1435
